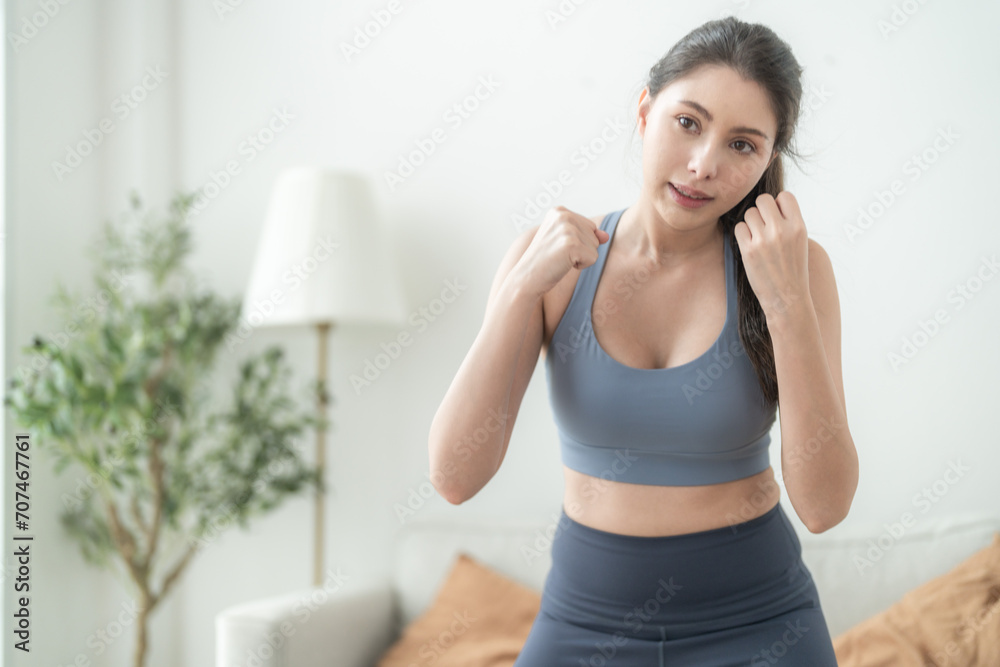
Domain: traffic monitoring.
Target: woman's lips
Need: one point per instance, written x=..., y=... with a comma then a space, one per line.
x=684, y=200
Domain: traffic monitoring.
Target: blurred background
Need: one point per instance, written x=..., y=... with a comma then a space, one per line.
x=899, y=127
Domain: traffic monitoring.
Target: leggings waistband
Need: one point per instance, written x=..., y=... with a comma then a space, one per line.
x=726, y=575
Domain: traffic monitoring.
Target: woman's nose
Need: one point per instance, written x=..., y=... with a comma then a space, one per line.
x=703, y=162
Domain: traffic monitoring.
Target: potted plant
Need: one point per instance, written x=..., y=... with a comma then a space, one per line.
x=122, y=393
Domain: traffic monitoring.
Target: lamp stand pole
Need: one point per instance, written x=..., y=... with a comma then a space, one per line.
x=323, y=328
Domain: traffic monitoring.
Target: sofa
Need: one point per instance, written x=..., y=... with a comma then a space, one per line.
x=858, y=572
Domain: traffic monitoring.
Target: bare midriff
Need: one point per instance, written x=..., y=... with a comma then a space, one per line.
x=647, y=510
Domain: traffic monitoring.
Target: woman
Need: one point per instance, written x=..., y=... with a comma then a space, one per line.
x=672, y=547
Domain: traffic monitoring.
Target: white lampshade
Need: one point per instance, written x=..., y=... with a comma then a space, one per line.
x=321, y=256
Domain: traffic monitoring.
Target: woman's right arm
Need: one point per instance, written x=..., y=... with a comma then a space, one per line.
x=470, y=431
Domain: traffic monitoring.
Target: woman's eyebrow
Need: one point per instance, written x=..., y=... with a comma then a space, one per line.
x=704, y=112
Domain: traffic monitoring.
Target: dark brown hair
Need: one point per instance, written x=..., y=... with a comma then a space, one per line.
x=757, y=54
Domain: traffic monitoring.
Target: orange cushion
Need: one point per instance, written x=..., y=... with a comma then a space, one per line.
x=479, y=617
x=950, y=621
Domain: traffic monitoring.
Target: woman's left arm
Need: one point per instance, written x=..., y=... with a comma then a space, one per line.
x=819, y=462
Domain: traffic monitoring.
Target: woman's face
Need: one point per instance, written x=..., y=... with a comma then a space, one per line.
x=710, y=130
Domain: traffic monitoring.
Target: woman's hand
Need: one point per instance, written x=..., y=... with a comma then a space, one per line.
x=565, y=240
x=775, y=248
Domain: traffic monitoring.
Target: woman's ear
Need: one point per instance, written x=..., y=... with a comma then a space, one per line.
x=642, y=111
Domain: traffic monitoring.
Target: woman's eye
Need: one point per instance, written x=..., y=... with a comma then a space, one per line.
x=689, y=123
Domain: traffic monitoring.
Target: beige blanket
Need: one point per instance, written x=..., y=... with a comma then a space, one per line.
x=950, y=621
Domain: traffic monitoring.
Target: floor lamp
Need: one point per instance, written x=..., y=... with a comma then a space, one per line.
x=322, y=260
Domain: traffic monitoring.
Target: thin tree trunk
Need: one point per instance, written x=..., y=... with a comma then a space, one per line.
x=150, y=600
x=139, y=657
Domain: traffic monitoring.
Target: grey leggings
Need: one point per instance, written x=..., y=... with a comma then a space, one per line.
x=738, y=595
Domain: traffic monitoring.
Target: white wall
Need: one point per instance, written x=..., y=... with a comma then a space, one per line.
x=879, y=99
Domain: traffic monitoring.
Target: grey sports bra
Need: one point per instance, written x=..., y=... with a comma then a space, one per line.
x=703, y=422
